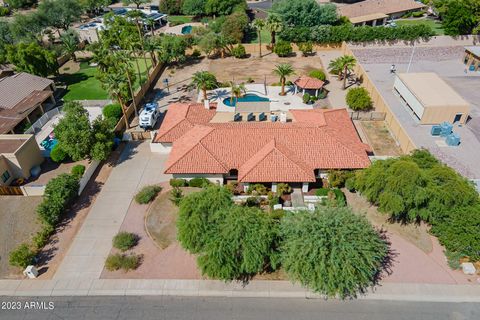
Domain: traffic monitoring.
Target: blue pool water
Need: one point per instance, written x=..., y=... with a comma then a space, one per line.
x=187, y=29
x=49, y=142
x=249, y=97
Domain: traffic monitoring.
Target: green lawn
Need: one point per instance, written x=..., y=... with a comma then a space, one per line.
x=252, y=37
x=180, y=19
x=83, y=85
x=435, y=25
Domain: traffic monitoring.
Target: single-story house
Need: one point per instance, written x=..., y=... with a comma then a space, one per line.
x=471, y=58
x=430, y=98
x=377, y=12
x=297, y=152
x=19, y=153
x=24, y=98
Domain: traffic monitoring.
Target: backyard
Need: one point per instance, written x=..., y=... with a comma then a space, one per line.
x=83, y=85
x=434, y=24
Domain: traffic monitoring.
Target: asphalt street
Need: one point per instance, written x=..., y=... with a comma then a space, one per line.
x=169, y=308
x=262, y=5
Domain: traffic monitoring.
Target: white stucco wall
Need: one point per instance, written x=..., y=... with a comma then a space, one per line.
x=215, y=178
x=409, y=97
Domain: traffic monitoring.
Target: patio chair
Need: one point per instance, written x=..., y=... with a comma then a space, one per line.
x=237, y=117
x=262, y=117
x=251, y=117
x=273, y=118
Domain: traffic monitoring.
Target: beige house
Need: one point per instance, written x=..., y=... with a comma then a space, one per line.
x=376, y=12
x=19, y=153
x=471, y=58
x=430, y=98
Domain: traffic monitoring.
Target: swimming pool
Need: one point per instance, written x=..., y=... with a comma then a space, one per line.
x=187, y=29
x=249, y=97
x=49, y=142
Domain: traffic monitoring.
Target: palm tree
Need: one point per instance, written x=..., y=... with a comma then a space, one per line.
x=70, y=43
x=237, y=90
x=204, y=80
x=341, y=66
x=101, y=56
x=259, y=24
x=112, y=82
x=152, y=44
x=123, y=63
x=274, y=24
x=137, y=15
x=151, y=23
x=283, y=71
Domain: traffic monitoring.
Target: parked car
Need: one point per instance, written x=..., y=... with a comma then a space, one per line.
x=149, y=115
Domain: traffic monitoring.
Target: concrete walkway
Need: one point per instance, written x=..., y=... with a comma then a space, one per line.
x=297, y=198
x=136, y=167
x=213, y=288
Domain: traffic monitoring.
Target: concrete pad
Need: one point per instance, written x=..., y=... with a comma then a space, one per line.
x=145, y=287
x=8, y=287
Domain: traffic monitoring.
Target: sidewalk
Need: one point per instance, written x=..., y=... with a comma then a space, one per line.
x=212, y=288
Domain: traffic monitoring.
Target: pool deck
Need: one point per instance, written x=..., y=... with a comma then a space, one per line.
x=277, y=102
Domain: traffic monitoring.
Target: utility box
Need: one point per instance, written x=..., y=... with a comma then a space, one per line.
x=31, y=272
x=446, y=129
x=436, y=131
x=453, y=140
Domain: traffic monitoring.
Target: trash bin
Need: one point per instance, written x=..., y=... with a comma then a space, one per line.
x=31, y=272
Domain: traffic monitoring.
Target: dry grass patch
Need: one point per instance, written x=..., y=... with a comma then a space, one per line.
x=380, y=138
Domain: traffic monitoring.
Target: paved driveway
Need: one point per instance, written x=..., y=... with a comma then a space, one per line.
x=136, y=167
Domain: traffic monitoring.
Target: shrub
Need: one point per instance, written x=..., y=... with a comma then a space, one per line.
x=306, y=98
x=147, y=194
x=277, y=214
x=113, y=110
x=4, y=11
x=359, y=99
x=306, y=48
x=178, y=183
x=318, y=74
x=22, y=256
x=337, y=178
x=257, y=189
x=283, y=188
x=199, y=183
x=418, y=14
x=322, y=192
x=121, y=261
x=239, y=52
x=350, y=184
x=283, y=49
x=339, y=200
x=41, y=238
x=350, y=257
x=176, y=196
x=252, y=202
x=124, y=240
x=196, y=54
x=57, y=154
x=78, y=170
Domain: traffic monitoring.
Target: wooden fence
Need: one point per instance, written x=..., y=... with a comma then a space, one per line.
x=396, y=128
x=10, y=191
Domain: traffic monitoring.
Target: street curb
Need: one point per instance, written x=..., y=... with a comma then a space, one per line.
x=213, y=288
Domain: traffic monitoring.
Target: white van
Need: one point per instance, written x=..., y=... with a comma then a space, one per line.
x=149, y=116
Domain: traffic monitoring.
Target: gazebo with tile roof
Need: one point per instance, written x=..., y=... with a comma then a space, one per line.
x=308, y=83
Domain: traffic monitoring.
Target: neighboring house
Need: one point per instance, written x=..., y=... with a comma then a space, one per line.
x=471, y=58
x=430, y=98
x=19, y=153
x=297, y=152
x=376, y=12
x=23, y=99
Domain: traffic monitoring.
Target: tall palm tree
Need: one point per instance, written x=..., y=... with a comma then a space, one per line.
x=112, y=82
x=137, y=15
x=283, y=71
x=70, y=44
x=274, y=24
x=204, y=80
x=237, y=90
x=259, y=24
x=151, y=23
x=152, y=44
x=341, y=66
x=123, y=62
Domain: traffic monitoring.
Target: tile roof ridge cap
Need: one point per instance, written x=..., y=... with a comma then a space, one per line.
x=261, y=159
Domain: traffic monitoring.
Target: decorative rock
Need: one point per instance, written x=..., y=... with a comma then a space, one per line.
x=468, y=268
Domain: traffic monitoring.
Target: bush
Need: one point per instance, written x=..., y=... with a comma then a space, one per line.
x=306, y=48
x=257, y=189
x=283, y=188
x=4, y=11
x=252, y=202
x=350, y=256
x=78, y=170
x=22, y=256
x=196, y=54
x=57, y=154
x=199, y=183
x=418, y=14
x=322, y=192
x=306, y=98
x=350, y=184
x=121, y=261
x=337, y=178
x=358, y=99
x=178, y=183
x=239, y=52
x=318, y=74
x=124, y=240
x=176, y=196
x=277, y=214
x=147, y=194
x=283, y=49
x=273, y=199
x=339, y=199
x=113, y=110
x=41, y=238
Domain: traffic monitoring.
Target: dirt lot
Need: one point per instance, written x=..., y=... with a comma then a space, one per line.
x=18, y=223
x=380, y=138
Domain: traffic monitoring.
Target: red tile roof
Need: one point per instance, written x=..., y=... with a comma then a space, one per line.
x=310, y=83
x=266, y=151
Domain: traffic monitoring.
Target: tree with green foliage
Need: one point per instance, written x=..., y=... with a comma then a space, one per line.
x=342, y=66
x=73, y=131
x=459, y=17
x=137, y=3
x=358, y=99
x=332, y=251
x=32, y=58
x=95, y=7
x=204, y=80
x=283, y=49
x=21, y=4
x=194, y=8
x=241, y=245
x=211, y=43
x=235, y=26
x=22, y=256
x=103, y=134
x=70, y=42
x=171, y=7
x=6, y=38
x=172, y=49
x=223, y=7
x=259, y=25
x=283, y=70
x=27, y=28
x=274, y=24
x=305, y=13
x=60, y=14
x=198, y=216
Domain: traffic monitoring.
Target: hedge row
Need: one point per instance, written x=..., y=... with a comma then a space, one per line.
x=349, y=33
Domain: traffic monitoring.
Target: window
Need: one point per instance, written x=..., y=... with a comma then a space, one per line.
x=5, y=176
